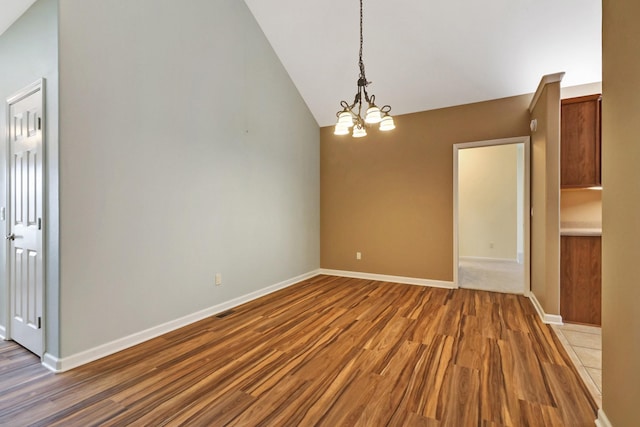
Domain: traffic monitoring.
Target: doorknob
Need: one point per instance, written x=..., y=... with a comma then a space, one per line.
x=11, y=237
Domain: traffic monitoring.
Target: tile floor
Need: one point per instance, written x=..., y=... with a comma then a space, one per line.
x=584, y=346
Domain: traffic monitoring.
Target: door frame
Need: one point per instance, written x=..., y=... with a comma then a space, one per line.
x=38, y=85
x=526, y=211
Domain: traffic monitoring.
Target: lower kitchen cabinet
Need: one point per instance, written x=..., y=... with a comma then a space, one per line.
x=581, y=279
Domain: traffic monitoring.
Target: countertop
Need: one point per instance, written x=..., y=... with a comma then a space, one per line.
x=581, y=232
x=582, y=228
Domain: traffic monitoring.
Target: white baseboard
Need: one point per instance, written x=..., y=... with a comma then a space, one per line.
x=386, y=278
x=52, y=363
x=3, y=333
x=551, y=319
x=602, y=420
x=66, y=363
x=482, y=258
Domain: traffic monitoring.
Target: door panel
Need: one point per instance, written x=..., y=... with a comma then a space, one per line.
x=26, y=285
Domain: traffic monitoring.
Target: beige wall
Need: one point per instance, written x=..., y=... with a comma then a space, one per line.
x=545, y=200
x=390, y=195
x=621, y=212
x=581, y=90
x=488, y=200
x=581, y=208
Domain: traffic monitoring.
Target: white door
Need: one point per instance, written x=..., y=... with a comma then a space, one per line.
x=25, y=269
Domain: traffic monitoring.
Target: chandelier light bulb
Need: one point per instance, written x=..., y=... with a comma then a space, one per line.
x=373, y=115
x=345, y=119
x=387, y=124
x=341, y=130
x=359, y=131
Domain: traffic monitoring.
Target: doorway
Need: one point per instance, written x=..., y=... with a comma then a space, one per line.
x=24, y=222
x=491, y=215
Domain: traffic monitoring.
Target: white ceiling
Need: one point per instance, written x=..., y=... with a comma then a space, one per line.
x=422, y=54
x=10, y=11
x=426, y=54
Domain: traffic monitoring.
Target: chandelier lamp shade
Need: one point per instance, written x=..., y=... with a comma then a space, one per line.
x=350, y=116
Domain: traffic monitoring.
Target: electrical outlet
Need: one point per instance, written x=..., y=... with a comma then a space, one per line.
x=358, y=255
x=218, y=279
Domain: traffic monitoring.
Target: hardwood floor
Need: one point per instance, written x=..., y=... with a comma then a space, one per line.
x=328, y=351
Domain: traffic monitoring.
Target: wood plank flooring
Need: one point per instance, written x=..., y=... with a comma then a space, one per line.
x=328, y=351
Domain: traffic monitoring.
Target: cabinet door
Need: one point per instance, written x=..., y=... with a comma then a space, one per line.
x=580, y=279
x=580, y=142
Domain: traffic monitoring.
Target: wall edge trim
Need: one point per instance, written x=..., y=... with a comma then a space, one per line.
x=482, y=258
x=602, y=420
x=549, y=319
x=58, y=365
x=388, y=278
x=546, y=79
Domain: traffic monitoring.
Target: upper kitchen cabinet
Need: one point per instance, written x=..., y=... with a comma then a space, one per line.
x=580, y=142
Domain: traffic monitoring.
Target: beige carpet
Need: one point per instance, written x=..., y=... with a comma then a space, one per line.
x=490, y=275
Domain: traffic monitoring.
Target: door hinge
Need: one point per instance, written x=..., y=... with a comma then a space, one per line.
x=39, y=123
x=39, y=322
x=39, y=223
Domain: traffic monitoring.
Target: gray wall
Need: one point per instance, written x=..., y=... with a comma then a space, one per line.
x=28, y=52
x=185, y=151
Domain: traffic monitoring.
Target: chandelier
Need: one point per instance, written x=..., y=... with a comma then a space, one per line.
x=351, y=114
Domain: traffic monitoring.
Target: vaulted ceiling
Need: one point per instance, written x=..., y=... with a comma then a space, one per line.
x=10, y=11
x=426, y=54
x=422, y=54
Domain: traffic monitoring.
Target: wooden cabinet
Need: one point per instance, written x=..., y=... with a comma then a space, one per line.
x=580, y=279
x=580, y=142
